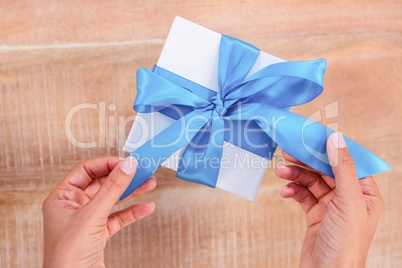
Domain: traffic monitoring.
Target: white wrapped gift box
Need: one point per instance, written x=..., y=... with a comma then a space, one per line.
x=192, y=52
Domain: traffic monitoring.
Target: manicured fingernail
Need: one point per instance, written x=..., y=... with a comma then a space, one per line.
x=280, y=166
x=284, y=188
x=337, y=140
x=129, y=165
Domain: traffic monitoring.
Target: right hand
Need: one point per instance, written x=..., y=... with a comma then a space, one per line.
x=342, y=214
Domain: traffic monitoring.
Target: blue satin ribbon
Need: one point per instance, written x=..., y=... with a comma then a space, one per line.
x=203, y=116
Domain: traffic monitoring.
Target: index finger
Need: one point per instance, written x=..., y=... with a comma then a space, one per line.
x=82, y=174
x=330, y=181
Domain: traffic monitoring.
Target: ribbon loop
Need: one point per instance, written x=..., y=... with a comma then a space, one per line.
x=155, y=93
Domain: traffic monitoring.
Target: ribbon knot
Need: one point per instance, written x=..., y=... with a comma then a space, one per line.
x=218, y=106
x=262, y=94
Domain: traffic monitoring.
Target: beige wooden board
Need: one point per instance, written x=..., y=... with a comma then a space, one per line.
x=55, y=55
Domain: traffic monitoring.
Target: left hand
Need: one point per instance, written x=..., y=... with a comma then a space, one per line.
x=76, y=214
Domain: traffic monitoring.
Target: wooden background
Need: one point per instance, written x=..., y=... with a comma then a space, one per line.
x=55, y=55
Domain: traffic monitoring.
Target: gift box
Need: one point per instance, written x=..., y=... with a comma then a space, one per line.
x=192, y=52
x=190, y=57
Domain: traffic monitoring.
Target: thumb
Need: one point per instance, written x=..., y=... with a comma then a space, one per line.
x=114, y=186
x=343, y=166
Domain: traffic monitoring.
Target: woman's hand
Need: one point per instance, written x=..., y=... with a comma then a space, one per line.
x=76, y=214
x=342, y=214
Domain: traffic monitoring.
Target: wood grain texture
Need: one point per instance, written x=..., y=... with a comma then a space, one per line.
x=55, y=55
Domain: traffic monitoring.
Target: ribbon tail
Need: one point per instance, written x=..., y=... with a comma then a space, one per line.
x=306, y=140
x=155, y=151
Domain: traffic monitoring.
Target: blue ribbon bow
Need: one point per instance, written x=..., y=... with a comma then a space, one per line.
x=239, y=99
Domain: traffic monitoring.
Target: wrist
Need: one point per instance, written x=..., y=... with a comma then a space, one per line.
x=347, y=262
x=53, y=257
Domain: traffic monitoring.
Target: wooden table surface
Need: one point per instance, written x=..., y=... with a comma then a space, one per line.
x=55, y=55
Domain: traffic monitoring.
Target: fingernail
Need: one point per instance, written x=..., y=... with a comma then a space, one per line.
x=129, y=165
x=280, y=166
x=154, y=204
x=284, y=188
x=337, y=140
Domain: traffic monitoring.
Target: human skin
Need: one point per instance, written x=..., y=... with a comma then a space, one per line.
x=77, y=214
x=342, y=214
